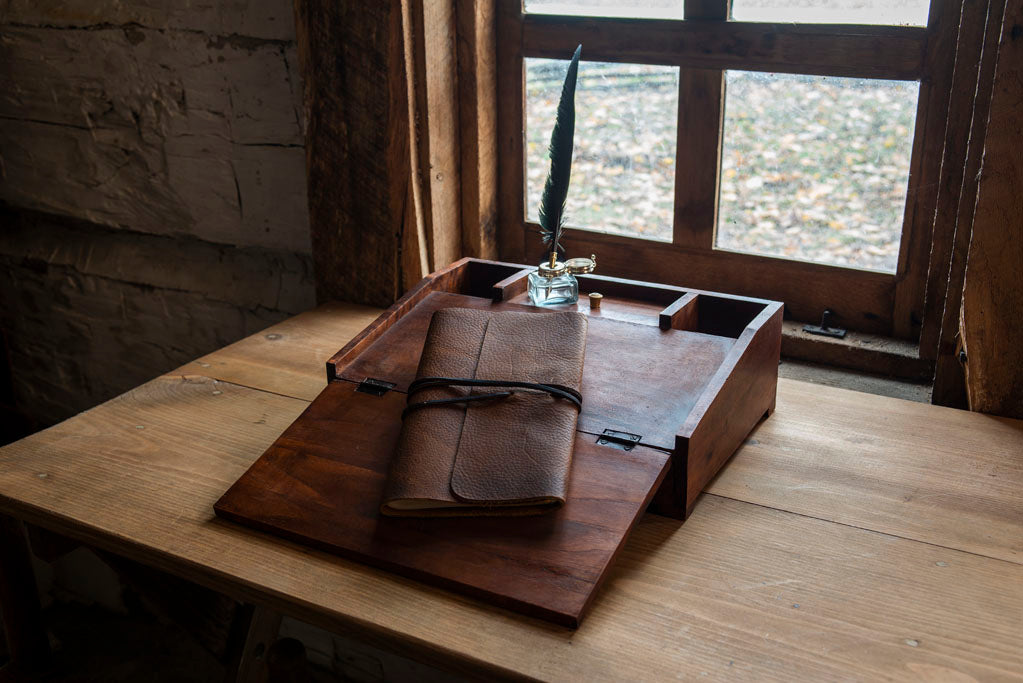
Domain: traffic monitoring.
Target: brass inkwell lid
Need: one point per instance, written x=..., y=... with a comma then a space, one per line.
x=575, y=266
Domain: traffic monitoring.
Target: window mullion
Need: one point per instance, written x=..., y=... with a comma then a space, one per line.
x=698, y=158
x=707, y=9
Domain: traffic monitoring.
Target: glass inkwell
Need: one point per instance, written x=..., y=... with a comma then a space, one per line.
x=554, y=283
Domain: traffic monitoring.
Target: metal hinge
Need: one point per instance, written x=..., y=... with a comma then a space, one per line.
x=621, y=440
x=824, y=328
x=376, y=387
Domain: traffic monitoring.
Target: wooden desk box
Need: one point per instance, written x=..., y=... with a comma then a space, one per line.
x=673, y=381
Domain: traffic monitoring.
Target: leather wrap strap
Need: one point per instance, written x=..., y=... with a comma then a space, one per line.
x=555, y=390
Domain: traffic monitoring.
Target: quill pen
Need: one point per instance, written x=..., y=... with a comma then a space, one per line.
x=555, y=190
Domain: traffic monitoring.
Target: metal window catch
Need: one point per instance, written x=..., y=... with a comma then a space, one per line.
x=375, y=387
x=825, y=329
x=620, y=440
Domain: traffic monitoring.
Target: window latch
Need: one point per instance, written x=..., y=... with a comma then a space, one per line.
x=824, y=328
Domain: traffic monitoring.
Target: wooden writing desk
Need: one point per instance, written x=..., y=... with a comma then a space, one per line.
x=853, y=536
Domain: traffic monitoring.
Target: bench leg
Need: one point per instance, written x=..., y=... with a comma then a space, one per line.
x=19, y=600
x=253, y=633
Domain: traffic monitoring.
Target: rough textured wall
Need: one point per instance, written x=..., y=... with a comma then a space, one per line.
x=152, y=177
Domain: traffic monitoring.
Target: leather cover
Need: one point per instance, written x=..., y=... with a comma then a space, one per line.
x=508, y=456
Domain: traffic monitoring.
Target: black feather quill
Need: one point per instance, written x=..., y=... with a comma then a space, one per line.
x=555, y=190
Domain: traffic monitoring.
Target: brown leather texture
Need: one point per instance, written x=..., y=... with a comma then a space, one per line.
x=508, y=456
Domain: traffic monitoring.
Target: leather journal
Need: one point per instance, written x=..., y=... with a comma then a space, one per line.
x=489, y=425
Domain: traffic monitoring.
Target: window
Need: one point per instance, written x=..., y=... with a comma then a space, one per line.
x=624, y=161
x=796, y=160
x=815, y=168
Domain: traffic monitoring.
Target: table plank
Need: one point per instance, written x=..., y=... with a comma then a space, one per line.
x=918, y=471
x=740, y=589
x=940, y=475
x=288, y=358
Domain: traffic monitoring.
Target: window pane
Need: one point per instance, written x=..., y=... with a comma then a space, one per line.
x=644, y=9
x=816, y=168
x=886, y=12
x=623, y=168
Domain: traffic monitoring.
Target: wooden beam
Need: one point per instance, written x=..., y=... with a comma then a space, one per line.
x=511, y=132
x=253, y=634
x=701, y=105
x=435, y=126
x=953, y=219
x=992, y=309
x=894, y=52
x=697, y=10
x=382, y=144
x=358, y=132
x=925, y=168
x=477, y=111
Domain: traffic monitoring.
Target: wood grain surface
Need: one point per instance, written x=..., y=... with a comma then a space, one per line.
x=636, y=378
x=943, y=23
x=954, y=217
x=991, y=323
x=964, y=142
x=701, y=106
x=477, y=125
x=908, y=581
x=291, y=348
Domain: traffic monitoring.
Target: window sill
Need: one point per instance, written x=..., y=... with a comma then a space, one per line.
x=857, y=351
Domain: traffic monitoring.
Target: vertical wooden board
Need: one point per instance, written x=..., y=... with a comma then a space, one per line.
x=700, y=112
x=949, y=384
x=511, y=133
x=477, y=112
x=701, y=95
x=992, y=309
x=925, y=170
x=415, y=241
x=433, y=62
x=415, y=258
x=357, y=145
x=707, y=9
x=968, y=51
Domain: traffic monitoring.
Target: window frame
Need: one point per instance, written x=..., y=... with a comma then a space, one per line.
x=703, y=46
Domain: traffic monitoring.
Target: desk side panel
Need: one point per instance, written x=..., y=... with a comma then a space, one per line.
x=746, y=395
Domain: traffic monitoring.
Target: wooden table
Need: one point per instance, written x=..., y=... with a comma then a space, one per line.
x=853, y=536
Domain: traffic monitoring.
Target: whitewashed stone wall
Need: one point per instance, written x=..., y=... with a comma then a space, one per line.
x=152, y=188
x=144, y=120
